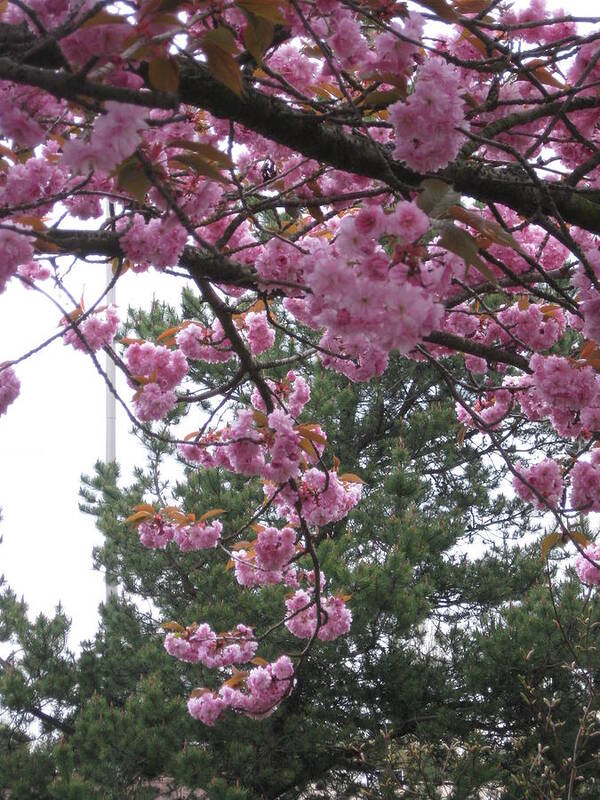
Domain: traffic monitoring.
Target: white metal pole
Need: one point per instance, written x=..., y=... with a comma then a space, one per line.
x=111, y=415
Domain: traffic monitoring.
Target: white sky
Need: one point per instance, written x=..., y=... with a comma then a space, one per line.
x=52, y=433
x=55, y=431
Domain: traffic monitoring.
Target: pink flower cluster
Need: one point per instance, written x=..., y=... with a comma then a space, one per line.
x=158, y=532
x=585, y=484
x=204, y=344
x=536, y=11
x=265, y=687
x=274, y=548
x=561, y=384
x=15, y=249
x=393, y=53
x=198, y=536
x=158, y=244
x=567, y=422
x=115, y=136
x=34, y=180
x=293, y=392
x=9, y=387
x=586, y=569
x=98, y=330
x=97, y=41
x=248, y=573
x=201, y=644
x=533, y=328
x=259, y=333
x=491, y=409
x=278, y=261
x=323, y=498
x=271, y=451
x=302, y=619
x=159, y=370
x=537, y=331
x=589, y=298
x=347, y=41
x=33, y=271
x=545, y=478
x=16, y=121
x=265, y=563
x=357, y=290
x=426, y=124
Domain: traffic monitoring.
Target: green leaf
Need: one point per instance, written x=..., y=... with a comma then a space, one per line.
x=132, y=178
x=164, y=74
x=258, y=36
x=198, y=164
x=266, y=9
x=436, y=197
x=209, y=152
x=464, y=245
x=219, y=46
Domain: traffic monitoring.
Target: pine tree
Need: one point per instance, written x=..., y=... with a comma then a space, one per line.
x=454, y=673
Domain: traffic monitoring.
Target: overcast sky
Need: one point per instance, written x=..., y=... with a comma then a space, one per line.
x=54, y=432
x=50, y=435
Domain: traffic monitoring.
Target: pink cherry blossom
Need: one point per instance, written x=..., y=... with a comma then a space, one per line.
x=158, y=243
x=274, y=548
x=586, y=570
x=15, y=250
x=260, y=334
x=426, y=124
x=207, y=344
x=585, y=484
x=562, y=384
x=9, y=387
x=97, y=330
x=198, y=536
x=302, y=617
x=157, y=533
x=207, y=708
x=547, y=481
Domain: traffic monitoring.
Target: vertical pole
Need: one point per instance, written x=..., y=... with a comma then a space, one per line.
x=111, y=416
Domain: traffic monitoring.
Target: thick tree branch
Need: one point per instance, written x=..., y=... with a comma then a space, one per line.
x=492, y=354
x=307, y=133
x=200, y=265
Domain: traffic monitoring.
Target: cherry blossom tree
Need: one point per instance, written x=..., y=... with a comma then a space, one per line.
x=360, y=177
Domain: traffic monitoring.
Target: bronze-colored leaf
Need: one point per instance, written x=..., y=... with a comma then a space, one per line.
x=173, y=626
x=144, y=507
x=138, y=517
x=214, y=512
x=579, y=537
x=440, y=8
x=549, y=541
x=350, y=477
x=260, y=418
x=199, y=692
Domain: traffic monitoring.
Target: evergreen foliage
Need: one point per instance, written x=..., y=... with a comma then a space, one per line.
x=455, y=672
